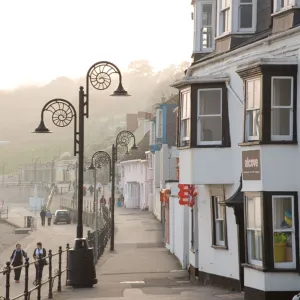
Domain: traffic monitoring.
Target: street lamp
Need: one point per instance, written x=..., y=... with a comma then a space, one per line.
x=81, y=263
x=99, y=159
x=123, y=140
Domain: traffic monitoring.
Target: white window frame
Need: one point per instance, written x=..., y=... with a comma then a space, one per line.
x=285, y=265
x=221, y=31
x=186, y=119
x=199, y=142
x=150, y=161
x=291, y=107
x=216, y=204
x=198, y=26
x=288, y=5
x=247, y=136
x=253, y=261
x=236, y=4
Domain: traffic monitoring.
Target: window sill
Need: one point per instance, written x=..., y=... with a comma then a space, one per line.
x=227, y=34
x=183, y=147
x=255, y=143
x=219, y=247
x=254, y=267
x=211, y=146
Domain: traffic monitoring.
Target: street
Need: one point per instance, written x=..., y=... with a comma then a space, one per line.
x=142, y=267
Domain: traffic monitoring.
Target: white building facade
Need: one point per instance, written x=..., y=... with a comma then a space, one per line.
x=238, y=115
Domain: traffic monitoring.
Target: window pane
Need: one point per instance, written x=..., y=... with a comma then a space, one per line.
x=281, y=121
x=254, y=213
x=253, y=122
x=282, y=213
x=246, y=16
x=211, y=129
x=207, y=15
x=220, y=230
x=282, y=91
x=253, y=94
x=210, y=102
x=255, y=245
x=207, y=37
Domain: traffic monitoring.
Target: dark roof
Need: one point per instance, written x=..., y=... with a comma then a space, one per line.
x=237, y=198
x=255, y=38
x=143, y=146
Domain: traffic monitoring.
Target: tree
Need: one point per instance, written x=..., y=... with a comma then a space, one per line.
x=140, y=67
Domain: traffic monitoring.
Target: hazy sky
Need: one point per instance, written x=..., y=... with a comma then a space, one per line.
x=44, y=39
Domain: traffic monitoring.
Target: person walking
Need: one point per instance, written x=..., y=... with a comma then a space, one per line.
x=43, y=216
x=91, y=189
x=49, y=217
x=39, y=255
x=16, y=260
x=102, y=200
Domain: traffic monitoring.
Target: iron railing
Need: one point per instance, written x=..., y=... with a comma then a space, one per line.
x=52, y=275
x=99, y=237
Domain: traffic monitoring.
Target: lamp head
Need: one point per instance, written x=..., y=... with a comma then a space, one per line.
x=134, y=147
x=42, y=128
x=91, y=167
x=120, y=91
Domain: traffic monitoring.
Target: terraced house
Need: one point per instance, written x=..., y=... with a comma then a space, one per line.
x=238, y=143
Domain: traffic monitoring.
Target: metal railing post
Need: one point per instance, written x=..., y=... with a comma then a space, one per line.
x=50, y=294
x=67, y=262
x=59, y=269
x=39, y=279
x=26, y=278
x=7, y=282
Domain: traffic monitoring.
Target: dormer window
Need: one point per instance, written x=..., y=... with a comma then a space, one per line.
x=204, y=23
x=236, y=16
x=285, y=4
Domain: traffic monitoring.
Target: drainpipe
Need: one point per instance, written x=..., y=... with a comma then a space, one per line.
x=233, y=92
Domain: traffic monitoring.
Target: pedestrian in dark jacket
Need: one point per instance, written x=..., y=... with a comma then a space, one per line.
x=39, y=255
x=16, y=260
x=43, y=217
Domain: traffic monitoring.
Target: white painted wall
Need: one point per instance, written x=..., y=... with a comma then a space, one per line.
x=135, y=175
x=279, y=167
x=179, y=230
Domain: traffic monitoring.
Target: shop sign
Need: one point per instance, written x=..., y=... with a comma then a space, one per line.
x=251, y=165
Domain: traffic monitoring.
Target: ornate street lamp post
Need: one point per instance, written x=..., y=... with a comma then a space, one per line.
x=123, y=140
x=81, y=263
x=99, y=159
x=103, y=159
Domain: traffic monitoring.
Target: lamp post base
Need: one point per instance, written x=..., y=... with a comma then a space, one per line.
x=81, y=271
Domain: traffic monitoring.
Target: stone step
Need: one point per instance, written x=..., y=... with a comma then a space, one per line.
x=22, y=230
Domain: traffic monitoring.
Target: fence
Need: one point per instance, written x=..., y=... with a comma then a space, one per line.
x=26, y=295
x=99, y=220
x=99, y=237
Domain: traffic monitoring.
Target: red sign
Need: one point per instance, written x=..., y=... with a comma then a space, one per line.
x=187, y=194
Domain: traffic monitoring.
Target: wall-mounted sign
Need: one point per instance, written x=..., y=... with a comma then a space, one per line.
x=251, y=165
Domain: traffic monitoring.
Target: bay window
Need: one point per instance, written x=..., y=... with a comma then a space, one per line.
x=285, y=4
x=209, y=116
x=272, y=225
x=270, y=93
x=219, y=221
x=282, y=108
x=185, y=117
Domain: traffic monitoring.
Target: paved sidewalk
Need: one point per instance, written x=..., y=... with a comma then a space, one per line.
x=141, y=267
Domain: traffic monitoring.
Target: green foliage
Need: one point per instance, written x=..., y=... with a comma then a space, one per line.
x=280, y=237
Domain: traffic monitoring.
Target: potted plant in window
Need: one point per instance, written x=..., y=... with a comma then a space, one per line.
x=280, y=239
